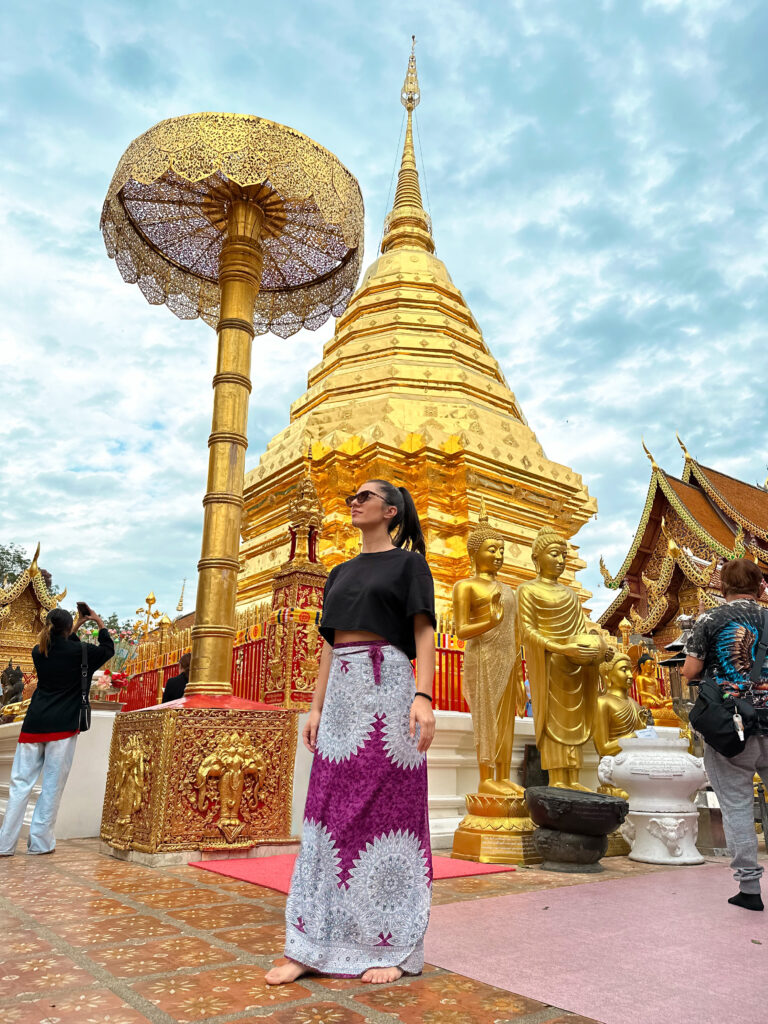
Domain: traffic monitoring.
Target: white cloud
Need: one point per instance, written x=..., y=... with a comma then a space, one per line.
x=597, y=182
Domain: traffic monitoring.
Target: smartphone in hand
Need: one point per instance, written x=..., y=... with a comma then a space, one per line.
x=84, y=610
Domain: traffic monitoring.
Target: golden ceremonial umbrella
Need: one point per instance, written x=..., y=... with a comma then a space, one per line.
x=253, y=227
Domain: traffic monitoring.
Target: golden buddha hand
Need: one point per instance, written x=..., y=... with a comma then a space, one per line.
x=582, y=649
x=497, y=608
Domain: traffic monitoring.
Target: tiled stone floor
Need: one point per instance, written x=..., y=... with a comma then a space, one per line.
x=85, y=939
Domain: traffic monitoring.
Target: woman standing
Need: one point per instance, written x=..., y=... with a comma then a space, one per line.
x=49, y=731
x=361, y=889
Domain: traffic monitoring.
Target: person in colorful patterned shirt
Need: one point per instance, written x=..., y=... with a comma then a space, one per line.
x=722, y=646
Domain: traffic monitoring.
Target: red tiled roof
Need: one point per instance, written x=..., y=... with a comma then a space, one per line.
x=750, y=501
x=699, y=506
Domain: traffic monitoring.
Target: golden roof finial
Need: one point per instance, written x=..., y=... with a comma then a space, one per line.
x=410, y=95
x=686, y=453
x=33, y=569
x=180, y=605
x=407, y=222
x=408, y=192
x=650, y=457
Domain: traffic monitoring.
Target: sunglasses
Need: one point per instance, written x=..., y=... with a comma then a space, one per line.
x=361, y=497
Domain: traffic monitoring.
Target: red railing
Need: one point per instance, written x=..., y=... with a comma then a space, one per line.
x=248, y=669
x=448, y=695
x=249, y=673
x=141, y=691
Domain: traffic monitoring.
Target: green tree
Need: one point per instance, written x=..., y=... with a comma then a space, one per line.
x=13, y=561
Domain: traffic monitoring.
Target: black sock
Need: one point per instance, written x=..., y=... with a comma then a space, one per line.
x=748, y=900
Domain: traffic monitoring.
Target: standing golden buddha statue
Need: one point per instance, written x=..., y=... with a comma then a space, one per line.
x=562, y=658
x=484, y=616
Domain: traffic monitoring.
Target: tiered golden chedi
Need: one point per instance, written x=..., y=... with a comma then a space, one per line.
x=408, y=390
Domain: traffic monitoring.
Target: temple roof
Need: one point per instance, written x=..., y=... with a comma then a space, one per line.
x=689, y=526
x=704, y=514
x=745, y=503
x=33, y=578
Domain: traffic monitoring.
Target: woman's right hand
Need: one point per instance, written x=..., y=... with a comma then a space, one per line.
x=309, y=733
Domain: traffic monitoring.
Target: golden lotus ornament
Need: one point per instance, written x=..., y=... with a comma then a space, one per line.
x=253, y=227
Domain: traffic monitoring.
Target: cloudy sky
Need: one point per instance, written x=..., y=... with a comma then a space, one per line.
x=596, y=174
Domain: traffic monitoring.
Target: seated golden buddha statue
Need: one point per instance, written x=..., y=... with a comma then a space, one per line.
x=562, y=656
x=484, y=616
x=650, y=695
x=616, y=715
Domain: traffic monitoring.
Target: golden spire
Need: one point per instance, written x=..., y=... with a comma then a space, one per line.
x=180, y=605
x=650, y=457
x=686, y=453
x=408, y=192
x=407, y=223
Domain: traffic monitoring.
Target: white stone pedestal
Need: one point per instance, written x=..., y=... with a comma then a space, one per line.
x=662, y=779
x=80, y=812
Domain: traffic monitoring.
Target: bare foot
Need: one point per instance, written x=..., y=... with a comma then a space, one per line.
x=284, y=974
x=572, y=785
x=381, y=975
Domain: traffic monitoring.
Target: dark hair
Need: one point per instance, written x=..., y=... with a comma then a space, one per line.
x=184, y=662
x=406, y=521
x=740, y=576
x=642, y=659
x=58, y=622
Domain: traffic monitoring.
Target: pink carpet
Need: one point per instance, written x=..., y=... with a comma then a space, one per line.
x=275, y=872
x=658, y=947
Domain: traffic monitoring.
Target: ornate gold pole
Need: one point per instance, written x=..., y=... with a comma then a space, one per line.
x=214, y=629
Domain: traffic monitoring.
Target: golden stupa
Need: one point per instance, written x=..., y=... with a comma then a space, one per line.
x=408, y=390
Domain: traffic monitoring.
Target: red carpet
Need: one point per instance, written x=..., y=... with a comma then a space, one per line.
x=275, y=872
x=657, y=947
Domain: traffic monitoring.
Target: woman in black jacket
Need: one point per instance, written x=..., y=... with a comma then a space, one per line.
x=49, y=731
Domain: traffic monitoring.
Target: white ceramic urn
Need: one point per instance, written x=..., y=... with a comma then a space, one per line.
x=662, y=779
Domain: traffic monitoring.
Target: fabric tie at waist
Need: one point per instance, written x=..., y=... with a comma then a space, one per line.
x=375, y=653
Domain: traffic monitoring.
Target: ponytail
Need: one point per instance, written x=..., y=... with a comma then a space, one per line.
x=58, y=622
x=44, y=640
x=408, y=533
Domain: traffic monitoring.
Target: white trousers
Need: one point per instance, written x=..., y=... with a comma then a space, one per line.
x=54, y=760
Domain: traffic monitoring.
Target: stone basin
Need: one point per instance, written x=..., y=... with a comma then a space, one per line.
x=569, y=810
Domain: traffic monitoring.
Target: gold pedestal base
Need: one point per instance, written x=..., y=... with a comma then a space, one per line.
x=617, y=845
x=666, y=717
x=496, y=830
x=216, y=778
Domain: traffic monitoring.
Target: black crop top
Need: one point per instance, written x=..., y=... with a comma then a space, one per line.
x=379, y=593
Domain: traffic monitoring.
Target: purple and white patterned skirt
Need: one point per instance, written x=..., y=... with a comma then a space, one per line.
x=361, y=889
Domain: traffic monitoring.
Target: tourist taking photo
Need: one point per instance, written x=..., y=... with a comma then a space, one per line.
x=51, y=726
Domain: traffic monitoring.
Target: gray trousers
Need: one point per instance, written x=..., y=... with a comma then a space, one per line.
x=54, y=760
x=732, y=780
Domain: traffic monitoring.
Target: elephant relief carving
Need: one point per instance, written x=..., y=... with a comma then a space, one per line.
x=670, y=831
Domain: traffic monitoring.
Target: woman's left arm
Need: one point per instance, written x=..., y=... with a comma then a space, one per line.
x=421, y=709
